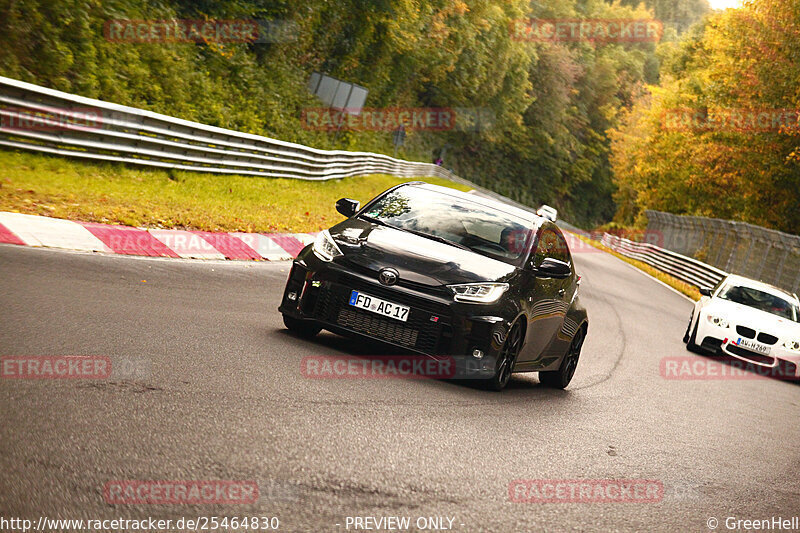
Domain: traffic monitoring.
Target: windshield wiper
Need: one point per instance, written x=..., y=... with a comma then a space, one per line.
x=375, y=221
x=437, y=238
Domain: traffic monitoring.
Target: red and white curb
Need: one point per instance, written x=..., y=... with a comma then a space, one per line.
x=32, y=230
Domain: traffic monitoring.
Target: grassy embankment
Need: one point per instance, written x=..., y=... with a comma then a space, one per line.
x=139, y=196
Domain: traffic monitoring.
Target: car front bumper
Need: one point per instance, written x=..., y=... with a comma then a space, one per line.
x=436, y=326
x=722, y=341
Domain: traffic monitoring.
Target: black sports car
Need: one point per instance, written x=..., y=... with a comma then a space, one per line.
x=445, y=273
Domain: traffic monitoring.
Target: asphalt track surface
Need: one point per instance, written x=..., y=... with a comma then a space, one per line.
x=223, y=397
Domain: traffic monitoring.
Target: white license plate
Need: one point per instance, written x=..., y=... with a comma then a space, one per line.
x=381, y=307
x=753, y=346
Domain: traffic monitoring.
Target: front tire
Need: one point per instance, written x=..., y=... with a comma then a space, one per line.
x=691, y=340
x=301, y=328
x=688, y=328
x=507, y=358
x=559, y=379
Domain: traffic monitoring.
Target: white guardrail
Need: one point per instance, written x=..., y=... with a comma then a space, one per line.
x=54, y=122
x=684, y=268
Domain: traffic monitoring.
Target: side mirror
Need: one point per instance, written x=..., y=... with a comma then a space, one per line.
x=705, y=291
x=553, y=268
x=347, y=207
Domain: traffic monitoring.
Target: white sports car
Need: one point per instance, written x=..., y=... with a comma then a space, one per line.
x=751, y=321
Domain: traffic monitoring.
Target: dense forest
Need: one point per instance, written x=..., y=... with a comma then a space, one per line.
x=553, y=105
x=720, y=134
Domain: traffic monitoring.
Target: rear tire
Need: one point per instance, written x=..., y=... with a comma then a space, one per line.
x=301, y=328
x=559, y=379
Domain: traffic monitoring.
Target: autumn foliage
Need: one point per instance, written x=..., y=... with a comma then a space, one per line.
x=719, y=136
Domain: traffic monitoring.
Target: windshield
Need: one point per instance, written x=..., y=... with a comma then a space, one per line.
x=763, y=301
x=466, y=224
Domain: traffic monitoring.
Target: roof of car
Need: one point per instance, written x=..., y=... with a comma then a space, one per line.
x=766, y=287
x=529, y=216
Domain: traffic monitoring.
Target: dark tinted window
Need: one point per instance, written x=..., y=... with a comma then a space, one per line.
x=551, y=244
x=545, y=246
x=561, y=251
x=761, y=300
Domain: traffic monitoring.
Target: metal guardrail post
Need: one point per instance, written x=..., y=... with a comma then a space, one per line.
x=763, y=261
x=723, y=233
x=698, y=229
x=791, y=248
x=796, y=282
x=738, y=231
x=746, y=262
x=779, y=272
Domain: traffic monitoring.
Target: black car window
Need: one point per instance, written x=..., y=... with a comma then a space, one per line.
x=545, y=246
x=483, y=230
x=561, y=251
x=551, y=244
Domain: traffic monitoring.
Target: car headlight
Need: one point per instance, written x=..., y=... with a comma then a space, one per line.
x=482, y=293
x=325, y=248
x=718, y=321
x=793, y=345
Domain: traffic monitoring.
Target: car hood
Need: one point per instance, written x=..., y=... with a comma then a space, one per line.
x=753, y=318
x=417, y=259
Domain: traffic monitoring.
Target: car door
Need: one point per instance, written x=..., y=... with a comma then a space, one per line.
x=568, y=287
x=543, y=299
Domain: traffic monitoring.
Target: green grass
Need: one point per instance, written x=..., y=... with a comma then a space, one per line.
x=136, y=196
x=685, y=288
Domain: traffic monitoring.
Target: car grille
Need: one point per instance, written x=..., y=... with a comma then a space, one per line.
x=376, y=326
x=419, y=332
x=766, y=338
x=750, y=333
x=752, y=356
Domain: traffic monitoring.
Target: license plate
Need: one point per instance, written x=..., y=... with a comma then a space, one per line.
x=753, y=346
x=381, y=307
